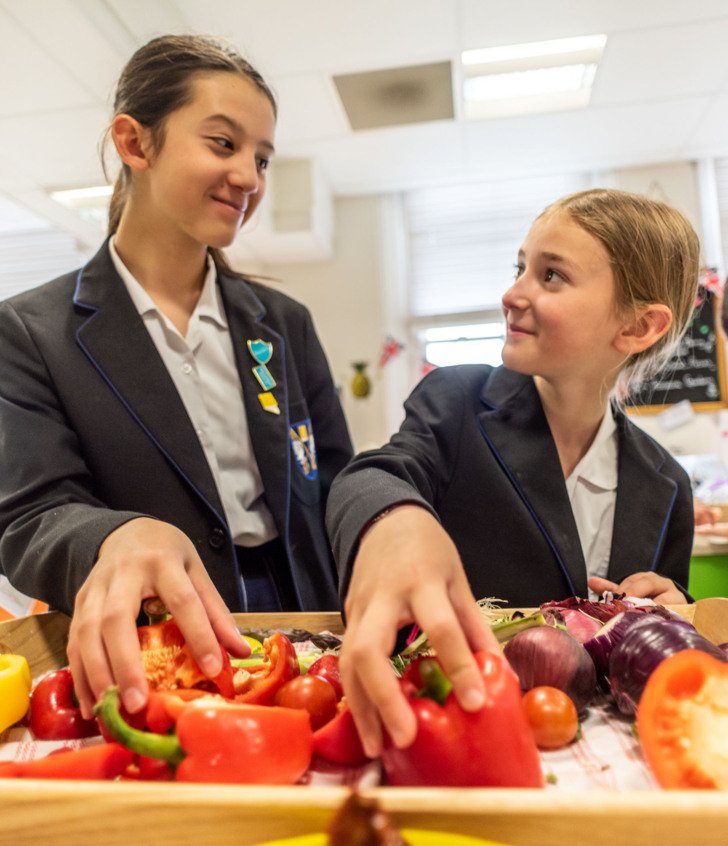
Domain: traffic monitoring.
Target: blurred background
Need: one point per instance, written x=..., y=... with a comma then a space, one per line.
x=416, y=141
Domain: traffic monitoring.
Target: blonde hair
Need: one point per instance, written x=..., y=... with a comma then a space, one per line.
x=157, y=81
x=655, y=258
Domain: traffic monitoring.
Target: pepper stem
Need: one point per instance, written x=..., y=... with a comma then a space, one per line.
x=435, y=684
x=163, y=746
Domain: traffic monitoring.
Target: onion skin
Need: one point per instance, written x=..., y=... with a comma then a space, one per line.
x=600, y=646
x=547, y=656
x=644, y=647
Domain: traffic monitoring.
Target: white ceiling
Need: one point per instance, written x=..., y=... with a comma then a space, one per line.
x=661, y=92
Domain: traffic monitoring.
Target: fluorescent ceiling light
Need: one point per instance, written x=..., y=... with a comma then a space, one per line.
x=90, y=203
x=534, y=49
x=528, y=78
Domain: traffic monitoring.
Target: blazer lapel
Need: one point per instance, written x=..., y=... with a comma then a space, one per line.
x=517, y=432
x=645, y=498
x=118, y=345
x=268, y=431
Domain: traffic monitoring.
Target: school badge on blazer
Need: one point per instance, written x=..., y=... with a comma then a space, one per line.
x=304, y=448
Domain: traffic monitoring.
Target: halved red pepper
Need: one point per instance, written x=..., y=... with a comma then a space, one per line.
x=168, y=663
x=54, y=711
x=257, y=685
x=104, y=761
x=681, y=721
x=219, y=741
x=492, y=747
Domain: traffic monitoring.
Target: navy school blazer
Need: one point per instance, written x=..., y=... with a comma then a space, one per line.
x=93, y=433
x=475, y=449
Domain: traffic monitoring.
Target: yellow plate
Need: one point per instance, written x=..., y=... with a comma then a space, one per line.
x=415, y=837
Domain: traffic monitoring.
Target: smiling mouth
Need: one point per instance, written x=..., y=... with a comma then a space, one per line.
x=238, y=207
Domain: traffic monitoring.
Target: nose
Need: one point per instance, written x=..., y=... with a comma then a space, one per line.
x=244, y=173
x=516, y=296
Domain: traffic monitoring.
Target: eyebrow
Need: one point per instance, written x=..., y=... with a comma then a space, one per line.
x=236, y=127
x=554, y=257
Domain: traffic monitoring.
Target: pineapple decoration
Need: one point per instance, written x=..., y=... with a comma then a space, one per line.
x=360, y=384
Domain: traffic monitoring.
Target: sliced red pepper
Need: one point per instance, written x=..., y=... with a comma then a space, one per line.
x=492, y=747
x=258, y=684
x=338, y=740
x=681, y=720
x=168, y=662
x=104, y=761
x=218, y=741
x=54, y=711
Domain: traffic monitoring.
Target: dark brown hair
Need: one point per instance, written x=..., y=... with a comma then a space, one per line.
x=157, y=81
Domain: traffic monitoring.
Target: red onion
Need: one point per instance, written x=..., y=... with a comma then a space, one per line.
x=642, y=648
x=609, y=635
x=549, y=656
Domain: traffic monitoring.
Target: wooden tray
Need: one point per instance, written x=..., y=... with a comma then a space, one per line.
x=89, y=813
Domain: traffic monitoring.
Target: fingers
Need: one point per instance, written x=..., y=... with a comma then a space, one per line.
x=599, y=585
x=372, y=689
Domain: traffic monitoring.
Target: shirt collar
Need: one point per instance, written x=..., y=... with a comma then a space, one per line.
x=599, y=465
x=209, y=305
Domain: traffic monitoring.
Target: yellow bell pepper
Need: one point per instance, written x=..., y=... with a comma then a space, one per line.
x=15, y=684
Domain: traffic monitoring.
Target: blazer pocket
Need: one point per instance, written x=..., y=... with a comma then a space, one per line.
x=304, y=464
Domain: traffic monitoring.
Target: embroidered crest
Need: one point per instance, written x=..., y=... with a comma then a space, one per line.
x=304, y=448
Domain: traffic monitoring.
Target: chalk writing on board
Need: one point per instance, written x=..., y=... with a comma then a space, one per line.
x=696, y=372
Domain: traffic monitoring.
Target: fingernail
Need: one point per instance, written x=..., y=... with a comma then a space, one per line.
x=472, y=699
x=210, y=665
x=134, y=700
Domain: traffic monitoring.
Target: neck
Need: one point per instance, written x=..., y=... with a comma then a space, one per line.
x=171, y=270
x=574, y=416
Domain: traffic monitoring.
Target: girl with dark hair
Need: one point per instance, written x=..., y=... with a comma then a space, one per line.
x=169, y=428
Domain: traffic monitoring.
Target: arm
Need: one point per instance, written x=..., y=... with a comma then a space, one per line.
x=404, y=567
x=667, y=584
x=59, y=542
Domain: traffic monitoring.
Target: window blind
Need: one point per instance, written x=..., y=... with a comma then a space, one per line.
x=29, y=258
x=464, y=239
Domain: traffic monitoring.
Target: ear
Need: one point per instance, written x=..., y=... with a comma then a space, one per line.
x=132, y=142
x=647, y=327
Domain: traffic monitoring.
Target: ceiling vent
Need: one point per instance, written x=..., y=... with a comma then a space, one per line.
x=397, y=96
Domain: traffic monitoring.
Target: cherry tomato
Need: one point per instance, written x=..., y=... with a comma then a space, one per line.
x=327, y=667
x=312, y=694
x=552, y=717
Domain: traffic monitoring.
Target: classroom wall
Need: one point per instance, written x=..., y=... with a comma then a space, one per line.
x=355, y=299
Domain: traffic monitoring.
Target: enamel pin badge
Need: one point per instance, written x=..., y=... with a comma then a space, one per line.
x=304, y=448
x=262, y=352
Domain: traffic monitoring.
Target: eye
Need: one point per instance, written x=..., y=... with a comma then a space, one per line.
x=221, y=141
x=552, y=275
x=519, y=268
x=263, y=163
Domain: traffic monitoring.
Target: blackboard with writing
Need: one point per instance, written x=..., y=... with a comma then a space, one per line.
x=697, y=370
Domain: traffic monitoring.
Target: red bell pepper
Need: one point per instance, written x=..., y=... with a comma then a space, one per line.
x=338, y=740
x=258, y=684
x=219, y=741
x=168, y=663
x=104, y=761
x=54, y=710
x=681, y=721
x=492, y=747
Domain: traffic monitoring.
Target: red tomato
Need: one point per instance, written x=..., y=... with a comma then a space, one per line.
x=551, y=715
x=327, y=667
x=681, y=720
x=312, y=694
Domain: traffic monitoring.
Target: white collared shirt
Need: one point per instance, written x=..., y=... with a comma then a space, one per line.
x=202, y=367
x=592, y=489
